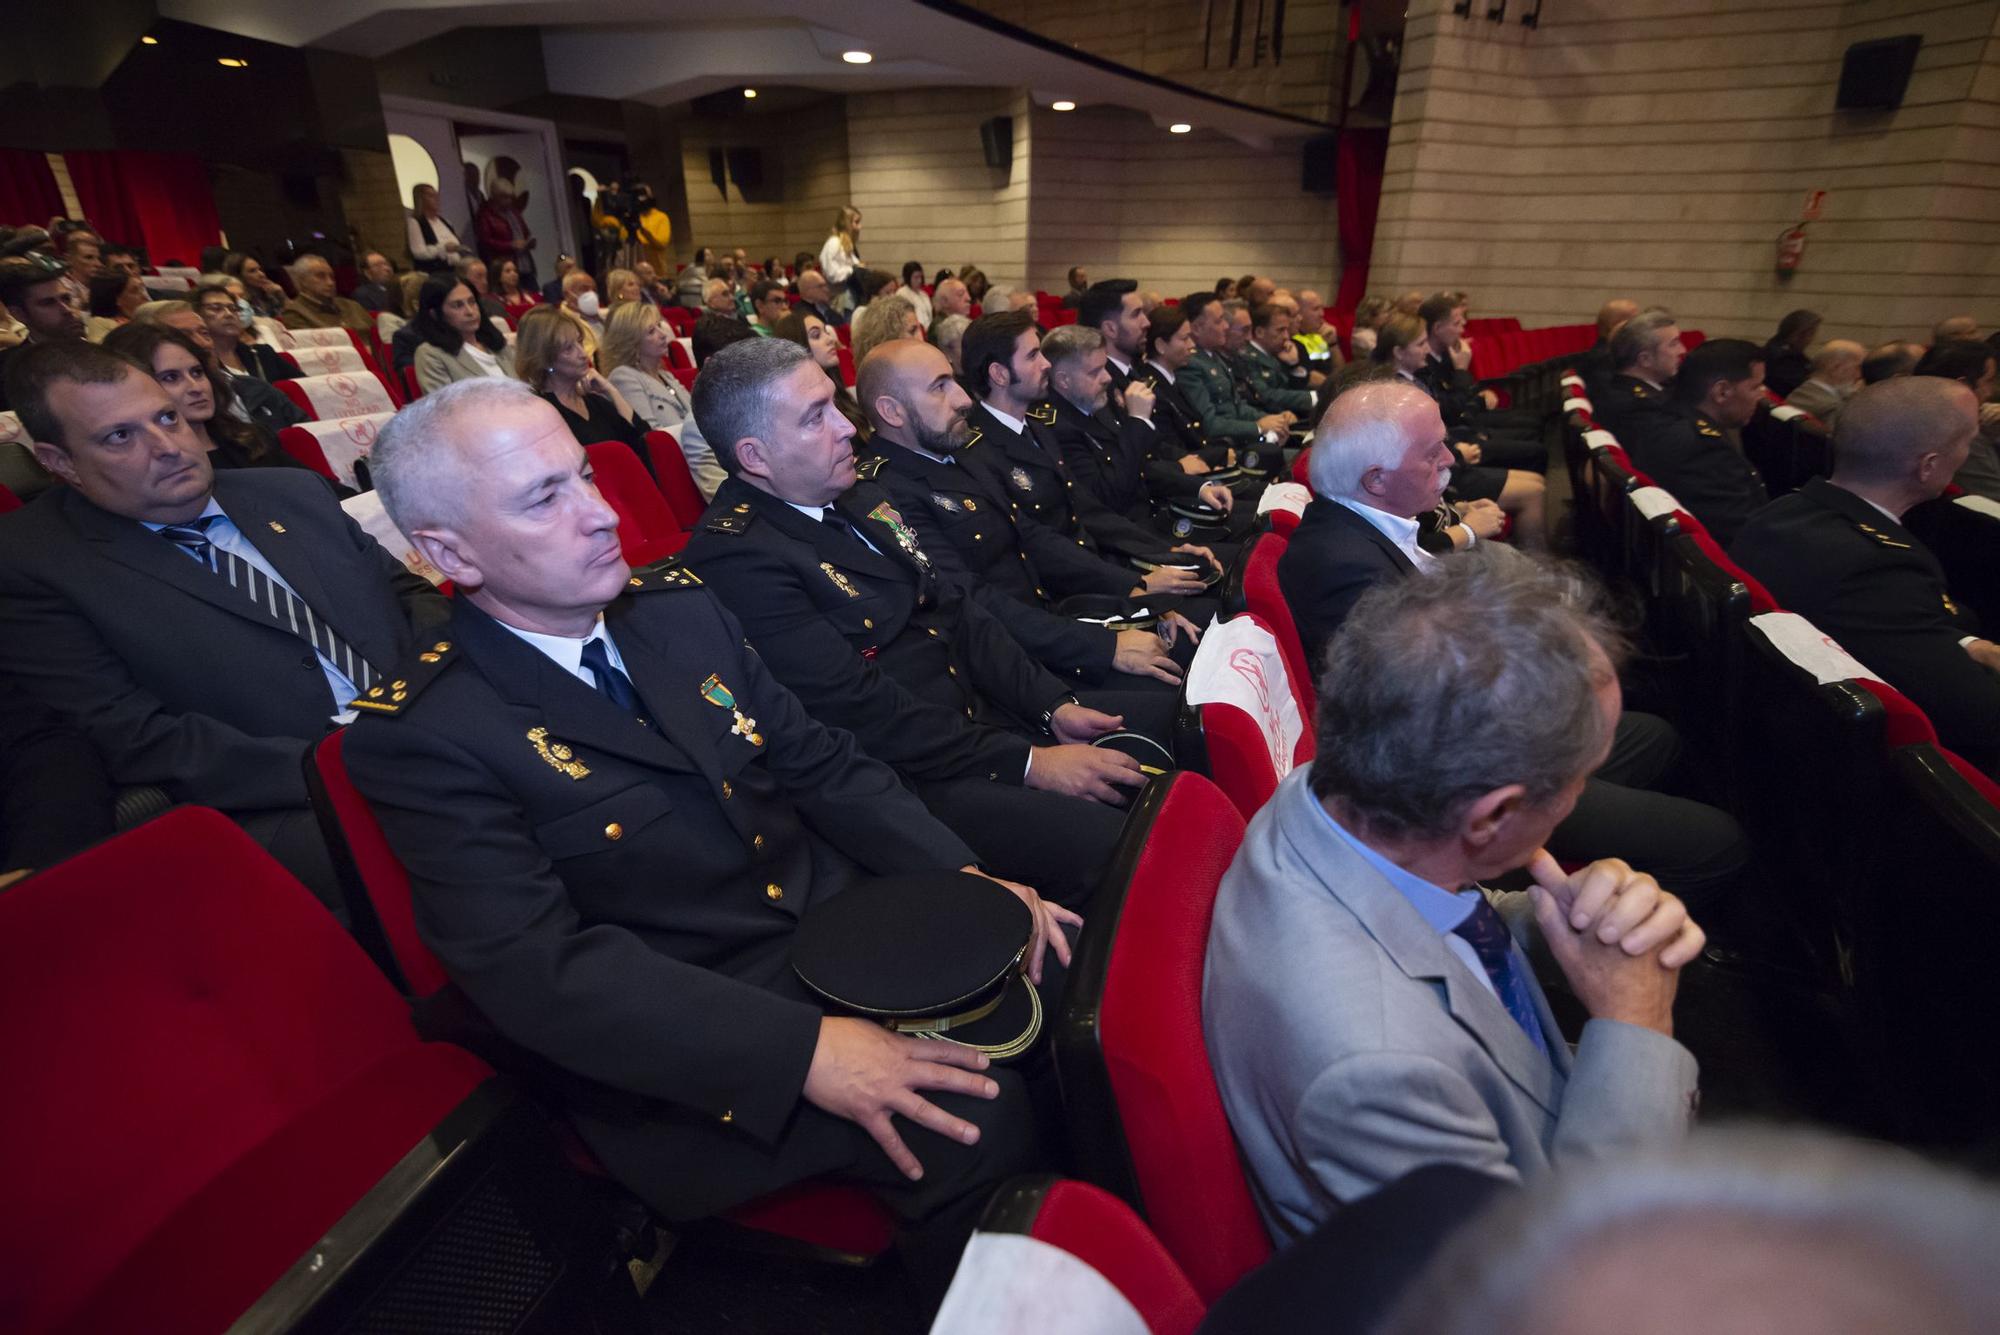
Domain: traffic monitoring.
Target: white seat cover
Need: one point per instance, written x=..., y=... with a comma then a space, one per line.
x=325, y=338
x=344, y=395
x=328, y=359
x=1010, y=1282
x=1239, y=664
x=366, y=510
x=1811, y=649
x=344, y=439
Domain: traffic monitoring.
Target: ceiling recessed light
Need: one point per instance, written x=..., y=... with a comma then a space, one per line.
x=856, y=57
x=749, y=92
x=232, y=62
x=149, y=41
x=1179, y=127
x=1064, y=105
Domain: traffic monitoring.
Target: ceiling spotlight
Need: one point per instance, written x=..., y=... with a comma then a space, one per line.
x=149, y=41
x=1179, y=127
x=749, y=92
x=856, y=57
x=1064, y=105
x=232, y=62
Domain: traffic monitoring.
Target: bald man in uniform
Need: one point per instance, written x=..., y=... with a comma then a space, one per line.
x=1836, y=552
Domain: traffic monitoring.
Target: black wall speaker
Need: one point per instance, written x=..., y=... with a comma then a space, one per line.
x=996, y=140
x=746, y=168
x=1876, y=74
x=1317, y=170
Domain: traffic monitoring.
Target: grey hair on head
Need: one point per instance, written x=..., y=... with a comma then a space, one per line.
x=733, y=395
x=1866, y=1216
x=416, y=463
x=1361, y=429
x=1418, y=718
x=1640, y=335
x=1069, y=341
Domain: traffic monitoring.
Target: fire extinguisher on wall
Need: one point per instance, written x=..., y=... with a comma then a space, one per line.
x=1791, y=248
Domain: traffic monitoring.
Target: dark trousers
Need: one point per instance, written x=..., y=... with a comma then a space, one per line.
x=1055, y=843
x=1692, y=849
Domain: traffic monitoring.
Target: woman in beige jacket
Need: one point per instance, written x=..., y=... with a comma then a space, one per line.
x=459, y=341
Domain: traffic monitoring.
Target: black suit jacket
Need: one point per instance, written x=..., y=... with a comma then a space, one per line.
x=1014, y=570
x=1875, y=588
x=622, y=901
x=177, y=679
x=1180, y=429
x=875, y=642
x=1694, y=459
x=1628, y=404
x=1334, y=557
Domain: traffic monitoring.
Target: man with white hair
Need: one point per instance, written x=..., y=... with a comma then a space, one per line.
x=317, y=306
x=1380, y=464
x=614, y=818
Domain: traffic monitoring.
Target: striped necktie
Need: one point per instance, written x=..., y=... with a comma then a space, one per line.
x=1487, y=934
x=284, y=608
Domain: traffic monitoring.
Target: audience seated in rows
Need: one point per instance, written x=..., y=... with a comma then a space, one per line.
x=1693, y=451
x=1836, y=552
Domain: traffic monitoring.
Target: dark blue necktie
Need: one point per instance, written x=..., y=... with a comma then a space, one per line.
x=192, y=538
x=612, y=684
x=1494, y=945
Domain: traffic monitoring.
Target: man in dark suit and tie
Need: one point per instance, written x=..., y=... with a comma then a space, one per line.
x=614, y=818
x=1380, y=462
x=203, y=629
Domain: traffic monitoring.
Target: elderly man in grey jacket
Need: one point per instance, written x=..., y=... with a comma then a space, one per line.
x=1367, y=1006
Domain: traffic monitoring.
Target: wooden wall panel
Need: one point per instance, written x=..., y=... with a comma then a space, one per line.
x=1656, y=148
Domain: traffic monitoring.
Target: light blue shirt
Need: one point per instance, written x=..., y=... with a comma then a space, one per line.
x=1439, y=907
x=224, y=536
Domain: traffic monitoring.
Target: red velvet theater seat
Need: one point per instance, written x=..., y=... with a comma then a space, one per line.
x=1237, y=753
x=1145, y=1117
x=1262, y=596
x=1101, y=1231
x=676, y=480
x=205, y=1077
x=648, y=530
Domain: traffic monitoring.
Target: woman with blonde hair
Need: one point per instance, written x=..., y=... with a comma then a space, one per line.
x=840, y=257
x=635, y=342
x=549, y=354
x=621, y=286
x=886, y=320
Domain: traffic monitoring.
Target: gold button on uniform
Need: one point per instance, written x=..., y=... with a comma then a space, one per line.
x=774, y=892
x=728, y=1115
x=868, y=623
x=614, y=832
x=757, y=842
x=728, y=789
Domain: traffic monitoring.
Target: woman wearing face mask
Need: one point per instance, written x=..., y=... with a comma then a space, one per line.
x=635, y=342
x=817, y=337
x=550, y=356
x=458, y=341
x=204, y=399
x=236, y=354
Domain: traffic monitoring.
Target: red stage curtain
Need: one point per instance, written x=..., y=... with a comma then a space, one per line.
x=28, y=191
x=1358, y=197
x=162, y=201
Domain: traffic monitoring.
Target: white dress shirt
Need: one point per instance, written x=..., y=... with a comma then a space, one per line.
x=567, y=653
x=1012, y=423
x=1401, y=531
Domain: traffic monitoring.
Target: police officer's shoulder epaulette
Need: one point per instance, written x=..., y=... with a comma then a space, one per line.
x=867, y=468
x=1045, y=413
x=1707, y=428
x=1878, y=535
x=393, y=693
x=672, y=573
x=1641, y=390
x=733, y=522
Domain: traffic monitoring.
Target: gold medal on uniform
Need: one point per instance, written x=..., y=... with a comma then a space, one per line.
x=840, y=581
x=721, y=697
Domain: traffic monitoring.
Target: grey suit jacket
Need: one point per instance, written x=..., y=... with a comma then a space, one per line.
x=1352, y=1046
x=1818, y=400
x=437, y=368
x=176, y=679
